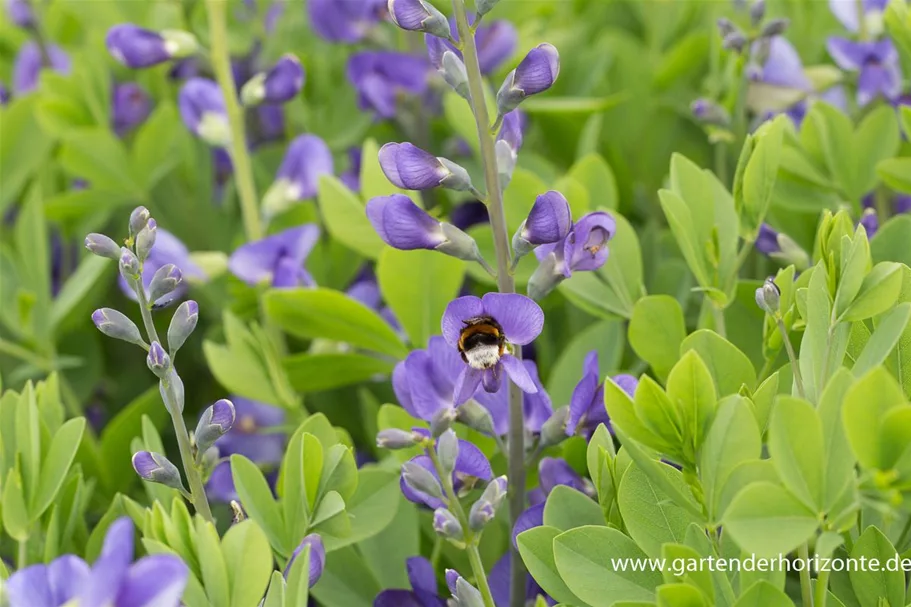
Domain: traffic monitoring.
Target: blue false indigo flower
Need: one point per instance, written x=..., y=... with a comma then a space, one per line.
x=317, y=557
x=411, y=168
x=297, y=179
x=871, y=12
x=583, y=249
x=102, y=246
x=447, y=526
x=709, y=112
x=352, y=177
x=423, y=591
x=277, y=260
x=129, y=265
x=136, y=47
x=586, y=409
x=768, y=297
x=281, y=83
x=158, y=360
x=467, y=595
x=113, y=580
x=344, y=20
x=500, y=591
x=775, y=27
x=507, y=147
x=156, y=468
x=495, y=43
x=381, y=76
x=549, y=221
x=29, y=63
x=537, y=406
x=139, y=218
x=20, y=13
x=902, y=203
x=4, y=95
x=870, y=221
x=485, y=509
x=130, y=106
x=420, y=483
x=553, y=471
x=781, y=247
x=214, y=423
x=145, y=239
x=255, y=434
x=202, y=108
x=168, y=250
x=421, y=480
x=418, y=16
x=535, y=74
x=165, y=280
x=404, y=225
x=183, y=323
x=395, y=438
x=448, y=449
x=505, y=318
x=877, y=64
x=424, y=381
x=115, y=324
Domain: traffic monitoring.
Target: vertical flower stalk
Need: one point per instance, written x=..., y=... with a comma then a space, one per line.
x=505, y=281
x=243, y=168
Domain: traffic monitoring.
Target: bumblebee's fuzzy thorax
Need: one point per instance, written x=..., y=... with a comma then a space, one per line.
x=482, y=342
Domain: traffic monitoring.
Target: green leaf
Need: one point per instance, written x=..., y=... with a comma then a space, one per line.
x=567, y=508
x=889, y=330
x=656, y=332
x=256, y=497
x=606, y=337
x=346, y=219
x=593, y=172
x=56, y=464
x=417, y=286
x=730, y=368
x=346, y=581
x=275, y=596
x=12, y=505
x=155, y=152
x=882, y=587
x=691, y=388
x=328, y=314
x=548, y=104
x=312, y=470
x=248, y=560
x=651, y=517
x=890, y=241
x=839, y=457
x=76, y=205
x=212, y=564
x=536, y=545
x=96, y=155
x=865, y=405
x=372, y=507
x=23, y=147
x=877, y=294
x=28, y=441
x=680, y=595
x=589, y=561
x=460, y=117
x=876, y=138
x=299, y=578
x=767, y=520
x=386, y=552
x=797, y=448
x=82, y=282
x=681, y=221
x=119, y=433
x=763, y=594
x=761, y=173
x=33, y=264
x=326, y=371
x=896, y=173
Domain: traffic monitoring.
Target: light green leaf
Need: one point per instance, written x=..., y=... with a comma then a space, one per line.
x=889, y=330
x=96, y=155
x=256, y=497
x=767, y=520
x=730, y=368
x=56, y=464
x=763, y=594
x=248, y=560
x=877, y=294
x=797, y=448
x=346, y=219
x=882, y=587
x=567, y=508
x=536, y=545
x=656, y=332
x=326, y=371
x=12, y=505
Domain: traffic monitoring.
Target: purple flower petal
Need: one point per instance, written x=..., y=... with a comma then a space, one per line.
x=397, y=598
x=307, y=158
x=532, y=517
x=197, y=97
x=66, y=575
x=512, y=130
x=136, y=47
x=491, y=379
x=585, y=248
x=767, y=240
x=269, y=258
x=521, y=318
x=471, y=461
x=379, y=75
x=402, y=224
x=467, y=384
x=421, y=575
x=343, y=20
x=428, y=394
x=29, y=63
x=110, y=570
x=496, y=43
x=538, y=70
x=538, y=406
x=878, y=79
x=553, y=472
x=252, y=434
x=419, y=497
x=401, y=385
x=549, y=220
x=457, y=312
x=408, y=14
x=130, y=106
x=583, y=394
x=154, y=581
x=628, y=383
x=783, y=66
x=518, y=373
x=30, y=587
x=220, y=486
x=849, y=55
x=285, y=80
x=410, y=167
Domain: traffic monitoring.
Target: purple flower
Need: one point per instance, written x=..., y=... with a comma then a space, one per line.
x=306, y=159
x=870, y=221
x=537, y=406
x=586, y=407
x=877, y=63
x=498, y=580
x=167, y=250
x=136, y=47
x=409, y=167
x=113, y=580
x=553, y=471
x=344, y=20
x=767, y=240
x=495, y=43
x=536, y=73
x=4, y=95
x=418, y=16
x=783, y=66
x=352, y=177
x=202, y=108
x=380, y=76
x=29, y=63
x=277, y=259
x=424, y=382
x=131, y=105
x=280, y=84
x=549, y=221
x=423, y=591
x=256, y=432
x=902, y=203
x=513, y=129
x=20, y=12
x=470, y=466
x=270, y=123
x=846, y=11
x=481, y=329
x=469, y=214
x=317, y=557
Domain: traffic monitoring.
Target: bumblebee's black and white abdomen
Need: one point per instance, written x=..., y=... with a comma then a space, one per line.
x=482, y=343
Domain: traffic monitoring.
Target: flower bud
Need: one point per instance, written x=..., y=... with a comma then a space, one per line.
x=182, y=324
x=726, y=27
x=734, y=42
x=484, y=6
x=549, y=221
x=213, y=424
x=709, y=112
x=420, y=479
x=441, y=421
x=476, y=417
x=165, y=280
x=155, y=468
x=553, y=431
x=209, y=459
x=395, y=438
x=768, y=296
x=314, y=543
x=102, y=246
x=20, y=12
x=546, y=277
x=129, y=265
x=509, y=140
x=136, y=47
x=453, y=71
x=467, y=595
x=757, y=12
x=536, y=73
x=145, y=240
x=870, y=222
x=448, y=450
x=171, y=389
x=458, y=244
x=280, y=84
x=447, y=525
x=774, y=27
x=202, y=109
x=115, y=324
x=418, y=16
x=138, y=220
x=482, y=512
x=158, y=360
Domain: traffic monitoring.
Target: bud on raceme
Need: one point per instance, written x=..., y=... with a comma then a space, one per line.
x=447, y=525
x=145, y=240
x=411, y=168
x=129, y=265
x=484, y=6
x=553, y=431
x=213, y=424
x=467, y=595
x=282, y=83
x=418, y=16
x=182, y=324
x=136, y=47
x=158, y=360
x=509, y=140
x=549, y=221
x=441, y=421
x=138, y=220
x=709, y=112
x=768, y=296
x=155, y=468
x=448, y=450
x=774, y=27
x=395, y=438
x=453, y=71
x=757, y=12
x=536, y=73
x=115, y=324
x=485, y=509
x=317, y=563
x=476, y=417
x=165, y=280
x=102, y=246
x=422, y=480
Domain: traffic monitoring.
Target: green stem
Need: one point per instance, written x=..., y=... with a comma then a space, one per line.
x=792, y=356
x=718, y=314
x=821, y=590
x=806, y=592
x=240, y=158
x=505, y=283
x=22, y=556
x=197, y=490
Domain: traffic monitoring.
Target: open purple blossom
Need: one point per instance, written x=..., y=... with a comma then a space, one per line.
x=876, y=62
x=280, y=84
x=586, y=409
x=423, y=591
x=278, y=259
x=537, y=406
x=255, y=433
x=114, y=580
x=297, y=179
x=409, y=167
x=20, y=12
x=29, y=63
x=317, y=557
x=168, y=249
x=425, y=381
x=870, y=221
x=495, y=42
x=536, y=73
x=481, y=329
x=379, y=77
x=202, y=108
x=498, y=580
x=471, y=465
x=130, y=106
x=549, y=221
x=136, y=47
x=847, y=12
x=344, y=20
x=418, y=16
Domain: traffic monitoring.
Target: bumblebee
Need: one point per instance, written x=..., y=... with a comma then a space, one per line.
x=482, y=342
